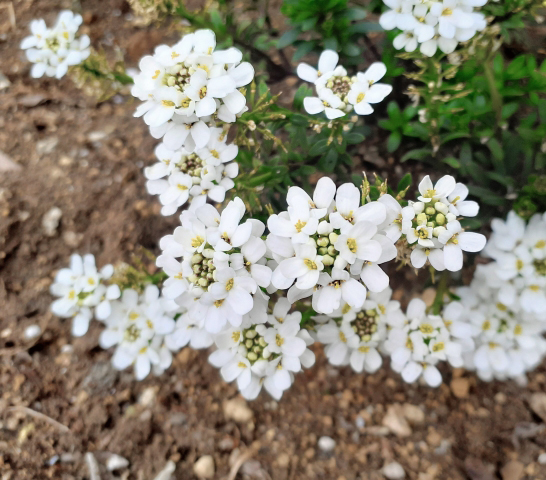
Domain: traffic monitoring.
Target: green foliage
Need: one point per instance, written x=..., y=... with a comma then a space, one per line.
x=331, y=24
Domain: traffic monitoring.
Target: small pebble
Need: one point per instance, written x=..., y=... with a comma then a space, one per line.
x=542, y=459
x=116, y=462
x=51, y=220
x=238, y=410
x=326, y=444
x=204, y=467
x=394, y=471
x=32, y=331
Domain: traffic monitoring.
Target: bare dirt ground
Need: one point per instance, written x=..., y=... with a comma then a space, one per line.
x=86, y=160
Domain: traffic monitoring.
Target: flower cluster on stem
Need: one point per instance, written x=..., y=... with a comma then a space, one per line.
x=53, y=50
x=433, y=24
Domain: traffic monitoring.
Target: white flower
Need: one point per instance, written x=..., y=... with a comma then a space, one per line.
x=458, y=203
x=54, y=50
x=326, y=102
x=304, y=267
x=339, y=94
x=432, y=24
x=136, y=326
x=443, y=188
x=363, y=94
x=456, y=241
x=264, y=354
x=81, y=289
x=327, y=63
x=187, y=86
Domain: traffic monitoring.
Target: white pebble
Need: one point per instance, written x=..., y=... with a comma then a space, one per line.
x=204, y=467
x=394, y=471
x=32, y=331
x=542, y=459
x=326, y=444
x=116, y=462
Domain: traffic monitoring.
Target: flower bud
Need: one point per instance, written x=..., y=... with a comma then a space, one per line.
x=252, y=356
x=323, y=242
x=197, y=258
x=251, y=333
x=327, y=260
x=421, y=219
x=430, y=210
x=324, y=228
x=438, y=231
x=418, y=207
x=332, y=251
x=333, y=237
x=441, y=207
x=440, y=219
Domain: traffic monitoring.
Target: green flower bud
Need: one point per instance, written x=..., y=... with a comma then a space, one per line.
x=203, y=282
x=197, y=258
x=333, y=237
x=421, y=219
x=332, y=251
x=251, y=333
x=249, y=343
x=327, y=260
x=323, y=242
x=430, y=210
x=323, y=251
x=252, y=356
x=440, y=219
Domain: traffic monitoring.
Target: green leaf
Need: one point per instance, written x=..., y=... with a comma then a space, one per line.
x=351, y=50
x=303, y=49
x=354, y=138
x=301, y=93
x=394, y=141
x=288, y=38
x=328, y=162
x=364, y=27
x=319, y=148
x=353, y=14
x=404, y=182
x=330, y=44
x=417, y=154
x=452, y=162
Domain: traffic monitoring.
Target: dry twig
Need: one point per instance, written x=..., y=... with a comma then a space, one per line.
x=41, y=416
x=92, y=466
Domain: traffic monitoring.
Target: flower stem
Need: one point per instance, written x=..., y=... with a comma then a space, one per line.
x=441, y=290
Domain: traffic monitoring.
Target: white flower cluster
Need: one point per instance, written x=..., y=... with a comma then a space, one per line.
x=222, y=264
x=339, y=94
x=188, y=87
x=330, y=246
x=265, y=350
x=81, y=290
x=138, y=327
x=181, y=176
x=356, y=337
x=433, y=24
x=53, y=50
x=424, y=341
x=432, y=228
x=506, y=301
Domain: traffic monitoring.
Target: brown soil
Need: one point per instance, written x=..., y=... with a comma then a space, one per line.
x=87, y=160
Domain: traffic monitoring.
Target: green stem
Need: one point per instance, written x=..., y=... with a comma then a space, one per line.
x=441, y=290
x=496, y=99
x=260, y=179
x=123, y=78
